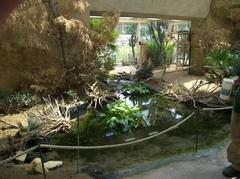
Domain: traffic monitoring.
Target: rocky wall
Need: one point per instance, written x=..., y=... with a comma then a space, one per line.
x=17, y=65
x=216, y=26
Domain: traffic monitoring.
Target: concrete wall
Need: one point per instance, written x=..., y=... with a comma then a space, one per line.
x=174, y=9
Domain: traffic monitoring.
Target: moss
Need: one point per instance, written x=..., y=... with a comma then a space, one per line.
x=91, y=131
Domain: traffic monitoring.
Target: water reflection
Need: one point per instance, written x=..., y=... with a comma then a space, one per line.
x=156, y=109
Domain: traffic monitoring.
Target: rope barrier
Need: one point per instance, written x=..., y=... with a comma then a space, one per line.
x=217, y=109
x=101, y=146
x=113, y=145
x=118, y=145
x=18, y=155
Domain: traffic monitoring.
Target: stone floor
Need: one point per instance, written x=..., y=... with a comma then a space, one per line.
x=207, y=165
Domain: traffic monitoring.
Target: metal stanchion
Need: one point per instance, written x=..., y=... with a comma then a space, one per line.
x=197, y=131
x=42, y=161
x=78, y=136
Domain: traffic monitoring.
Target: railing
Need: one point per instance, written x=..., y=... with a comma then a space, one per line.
x=40, y=146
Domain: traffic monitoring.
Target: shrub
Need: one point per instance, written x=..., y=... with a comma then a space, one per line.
x=21, y=98
x=136, y=89
x=10, y=102
x=121, y=118
x=154, y=53
x=145, y=72
x=221, y=64
x=91, y=129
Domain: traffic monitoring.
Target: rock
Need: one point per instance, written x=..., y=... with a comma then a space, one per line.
x=22, y=158
x=35, y=167
x=31, y=156
x=53, y=164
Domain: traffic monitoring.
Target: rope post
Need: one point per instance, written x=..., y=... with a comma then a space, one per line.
x=41, y=156
x=78, y=136
x=197, y=131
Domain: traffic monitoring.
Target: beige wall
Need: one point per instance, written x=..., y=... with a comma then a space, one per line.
x=175, y=9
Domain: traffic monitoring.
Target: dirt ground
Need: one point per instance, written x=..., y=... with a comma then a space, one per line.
x=206, y=164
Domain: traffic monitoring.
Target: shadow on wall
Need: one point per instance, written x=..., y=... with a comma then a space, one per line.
x=16, y=63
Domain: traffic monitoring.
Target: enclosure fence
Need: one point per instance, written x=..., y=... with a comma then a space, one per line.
x=78, y=147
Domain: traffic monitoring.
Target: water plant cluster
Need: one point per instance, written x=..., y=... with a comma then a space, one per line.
x=120, y=117
x=136, y=89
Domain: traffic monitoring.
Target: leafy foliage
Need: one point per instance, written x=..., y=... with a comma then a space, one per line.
x=169, y=50
x=91, y=130
x=158, y=47
x=22, y=98
x=120, y=117
x=33, y=124
x=136, y=89
x=221, y=64
x=104, y=59
x=154, y=53
x=71, y=94
x=10, y=102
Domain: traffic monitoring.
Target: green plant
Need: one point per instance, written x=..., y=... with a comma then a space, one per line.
x=121, y=118
x=158, y=30
x=104, y=59
x=33, y=123
x=132, y=43
x=136, y=89
x=221, y=64
x=11, y=101
x=91, y=129
x=154, y=53
x=169, y=50
x=21, y=98
x=71, y=93
x=145, y=72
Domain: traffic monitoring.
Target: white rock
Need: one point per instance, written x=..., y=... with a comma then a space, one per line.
x=22, y=158
x=35, y=166
x=50, y=165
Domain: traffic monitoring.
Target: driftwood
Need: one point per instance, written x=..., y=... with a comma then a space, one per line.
x=8, y=125
x=208, y=97
x=98, y=96
x=53, y=116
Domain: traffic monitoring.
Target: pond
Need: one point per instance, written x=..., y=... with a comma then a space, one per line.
x=159, y=113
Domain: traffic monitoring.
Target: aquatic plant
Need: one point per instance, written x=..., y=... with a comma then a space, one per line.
x=121, y=118
x=136, y=89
